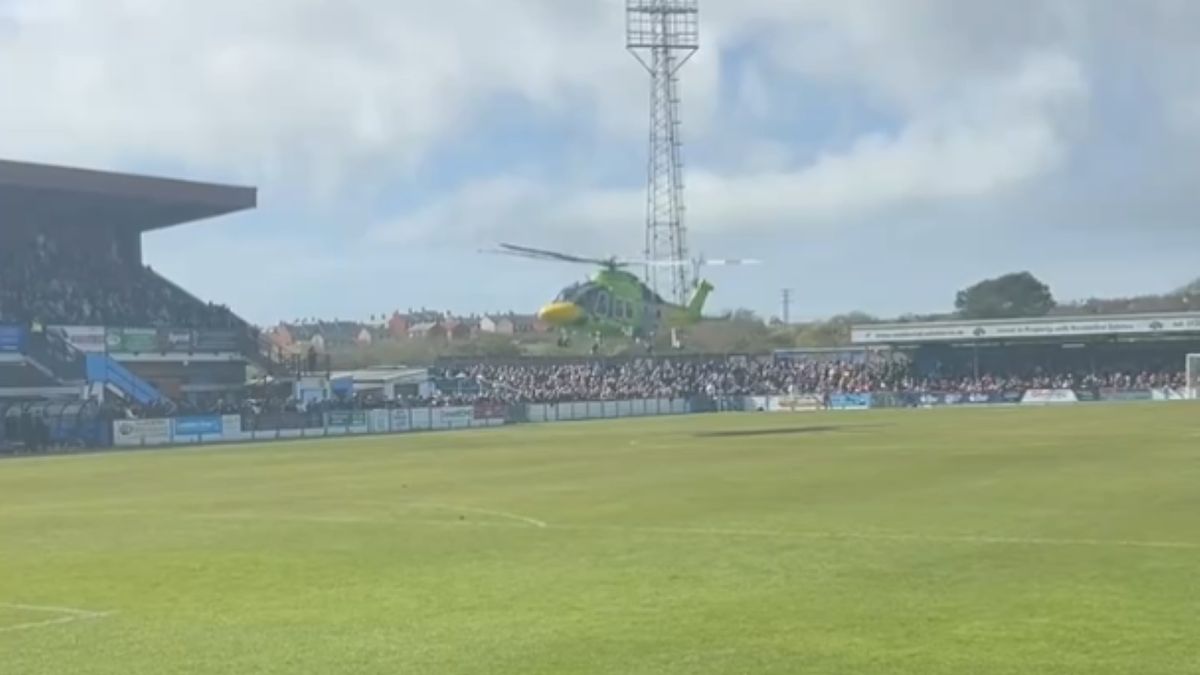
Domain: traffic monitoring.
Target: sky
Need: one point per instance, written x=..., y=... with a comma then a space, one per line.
x=876, y=155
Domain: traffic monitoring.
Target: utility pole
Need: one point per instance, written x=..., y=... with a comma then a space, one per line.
x=787, y=306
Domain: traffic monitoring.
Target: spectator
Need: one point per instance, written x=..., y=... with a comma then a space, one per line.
x=72, y=280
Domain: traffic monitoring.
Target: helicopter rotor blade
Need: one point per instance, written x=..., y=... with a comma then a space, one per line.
x=542, y=254
x=556, y=256
x=651, y=263
x=728, y=262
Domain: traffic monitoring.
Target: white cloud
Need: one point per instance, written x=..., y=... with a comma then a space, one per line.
x=523, y=210
x=990, y=139
x=278, y=87
x=319, y=90
x=995, y=135
x=982, y=100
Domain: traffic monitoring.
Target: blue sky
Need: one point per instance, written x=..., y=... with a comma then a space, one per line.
x=877, y=155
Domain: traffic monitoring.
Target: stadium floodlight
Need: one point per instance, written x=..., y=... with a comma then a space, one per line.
x=1192, y=370
x=662, y=35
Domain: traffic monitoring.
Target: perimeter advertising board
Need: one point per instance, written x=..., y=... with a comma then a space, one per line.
x=490, y=412
x=131, y=340
x=849, y=401
x=379, y=421
x=12, y=338
x=215, y=341
x=203, y=425
x=1110, y=394
x=451, y=418
x=1049, y=397
x=933, y=399
x=346, y=418
x=401, y=420
x=795, y=403
x=141, y=432
x=174, y=341
x=87, y=339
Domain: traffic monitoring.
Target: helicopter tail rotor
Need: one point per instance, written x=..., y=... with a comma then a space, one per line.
x=700, y=262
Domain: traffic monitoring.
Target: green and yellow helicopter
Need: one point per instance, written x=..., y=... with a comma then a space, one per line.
x=615, y=302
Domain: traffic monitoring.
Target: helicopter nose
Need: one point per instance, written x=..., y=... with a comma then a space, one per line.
x=560, y=313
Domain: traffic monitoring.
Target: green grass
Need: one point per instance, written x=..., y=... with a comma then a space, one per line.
x=984, y=542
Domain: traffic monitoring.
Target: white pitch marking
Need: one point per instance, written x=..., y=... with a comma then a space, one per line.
x=332, y=520
x=874, y=536
x=486, y=512
x=701, y=531
x=898, y=536
x=368, y=519
x=71, y=614
x=859, y=536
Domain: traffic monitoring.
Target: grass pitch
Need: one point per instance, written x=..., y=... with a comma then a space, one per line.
x=959, y=541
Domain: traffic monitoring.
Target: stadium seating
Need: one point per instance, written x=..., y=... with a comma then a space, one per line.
x=74, y=279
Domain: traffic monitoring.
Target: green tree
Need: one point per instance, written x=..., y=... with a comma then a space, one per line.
x=833, y=332
x=1019, y=294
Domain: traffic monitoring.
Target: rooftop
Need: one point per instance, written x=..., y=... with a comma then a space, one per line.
x=49, y=196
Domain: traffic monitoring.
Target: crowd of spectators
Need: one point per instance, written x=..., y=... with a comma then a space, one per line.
x=274, y=407
x=740, y=376
x=679, y=378
x=671, y=378
x=83, y=280
x=1116, y=380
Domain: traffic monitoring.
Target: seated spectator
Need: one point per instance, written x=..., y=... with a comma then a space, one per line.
x=72, y=280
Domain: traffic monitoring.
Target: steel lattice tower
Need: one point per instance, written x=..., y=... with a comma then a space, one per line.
x=663, y=35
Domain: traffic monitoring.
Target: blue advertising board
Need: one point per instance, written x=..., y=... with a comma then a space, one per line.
x=206, y=425
x=849, y=401
x=12, y=338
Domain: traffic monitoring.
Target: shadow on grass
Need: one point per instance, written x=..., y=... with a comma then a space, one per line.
x=786, y=431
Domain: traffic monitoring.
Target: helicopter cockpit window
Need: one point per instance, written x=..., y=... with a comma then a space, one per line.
x=570, y=293
x=583, y=295
x=602, y=303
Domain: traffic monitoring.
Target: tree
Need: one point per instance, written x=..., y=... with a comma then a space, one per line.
x=742, y=315
x=833, y=332
x=1013, y=295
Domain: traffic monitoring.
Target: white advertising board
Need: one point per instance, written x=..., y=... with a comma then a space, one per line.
x=87, y=339
x=1049, y=396
x=141, y=432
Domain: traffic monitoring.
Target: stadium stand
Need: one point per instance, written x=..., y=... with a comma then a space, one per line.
x=746, y=376
x=82, y=315
x=74, y=276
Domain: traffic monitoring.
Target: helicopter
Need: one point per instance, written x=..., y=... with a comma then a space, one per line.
x=615, y=302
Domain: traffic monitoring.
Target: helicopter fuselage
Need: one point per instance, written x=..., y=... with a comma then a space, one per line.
x=614, y=302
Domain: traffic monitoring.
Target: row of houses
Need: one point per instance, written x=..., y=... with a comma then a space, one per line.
x=423, y=325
